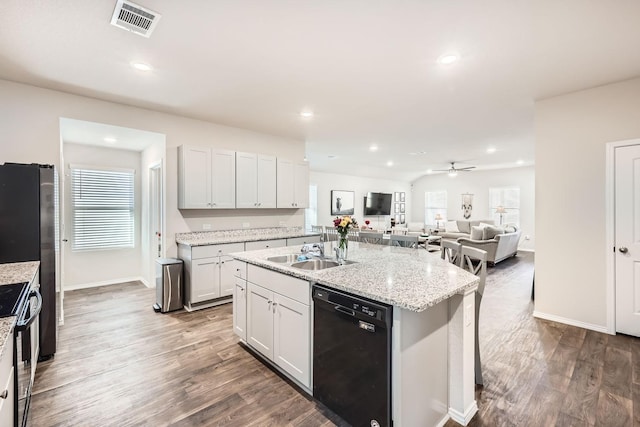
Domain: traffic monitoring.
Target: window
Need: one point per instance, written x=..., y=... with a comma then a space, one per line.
x=103, y=208
x=435, y=202
x=311, y=213
x=509, y=199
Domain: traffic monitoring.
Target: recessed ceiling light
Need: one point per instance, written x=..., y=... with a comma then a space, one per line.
x=389, y=163
x=448, y=58
x=373, y=148
x=491, y=150
x=110, y=139
x=141, y=66
x=306, y=114
x=520, y=162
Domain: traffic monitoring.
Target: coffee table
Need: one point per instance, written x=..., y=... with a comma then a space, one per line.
x=430, y=242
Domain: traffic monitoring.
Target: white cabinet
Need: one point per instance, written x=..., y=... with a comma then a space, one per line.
x=265, y=244
x=278, y=321
x=206, y=178
x=209, y=273
x=7, y=384
x=240, y=308
x=255, y=181
x=293, y=184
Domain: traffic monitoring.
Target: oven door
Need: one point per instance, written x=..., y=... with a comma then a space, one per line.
x=28, y=349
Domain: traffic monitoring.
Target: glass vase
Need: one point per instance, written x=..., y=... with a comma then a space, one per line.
x=343, y=247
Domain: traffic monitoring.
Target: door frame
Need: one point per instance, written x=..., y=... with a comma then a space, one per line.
x=156, y=194
x=610, y=225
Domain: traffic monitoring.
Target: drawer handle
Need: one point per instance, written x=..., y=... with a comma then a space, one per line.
x=4, y=394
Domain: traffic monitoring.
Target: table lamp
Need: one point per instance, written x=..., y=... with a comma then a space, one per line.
x=501, y=210
x=438, y=218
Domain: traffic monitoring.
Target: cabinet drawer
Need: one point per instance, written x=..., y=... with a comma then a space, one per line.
x=208, y=251
x=241, y=270
x=299, y=241
x=288, y=286
x=266, y=244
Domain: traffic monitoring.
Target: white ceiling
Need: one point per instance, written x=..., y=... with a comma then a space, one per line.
x=367, y=69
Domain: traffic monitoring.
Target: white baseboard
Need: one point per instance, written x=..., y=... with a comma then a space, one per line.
x=104, y=283
x=443, y=421
x=465, y=418
x=526, y=250
x=572, y=322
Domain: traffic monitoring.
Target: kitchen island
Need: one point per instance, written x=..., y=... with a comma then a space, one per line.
x=432, y=367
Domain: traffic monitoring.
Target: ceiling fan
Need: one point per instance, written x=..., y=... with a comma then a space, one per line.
x=453, y=171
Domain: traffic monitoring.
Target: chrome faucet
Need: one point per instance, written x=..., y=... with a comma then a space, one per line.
x=313, y=249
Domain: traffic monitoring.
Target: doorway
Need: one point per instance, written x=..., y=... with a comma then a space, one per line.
x=623, y=234
x=155, y=214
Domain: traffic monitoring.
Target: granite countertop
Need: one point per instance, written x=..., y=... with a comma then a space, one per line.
x=413, y=279
x=201, y=238
x=16, y=272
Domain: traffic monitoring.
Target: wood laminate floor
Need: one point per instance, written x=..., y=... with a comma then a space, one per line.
x=120, y=364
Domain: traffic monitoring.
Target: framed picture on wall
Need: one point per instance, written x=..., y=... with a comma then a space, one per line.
x=401, y=219
x=402, y=197
x=397, y=196
x=397, y=208
x=342, y=202
x=401, y=207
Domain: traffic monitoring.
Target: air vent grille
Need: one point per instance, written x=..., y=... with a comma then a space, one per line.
x=135, y=18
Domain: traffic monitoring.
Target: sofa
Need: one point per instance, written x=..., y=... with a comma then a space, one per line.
x=499, y=247
x=463, y=228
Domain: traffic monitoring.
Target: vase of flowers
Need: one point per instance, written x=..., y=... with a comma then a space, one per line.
x=342, y=225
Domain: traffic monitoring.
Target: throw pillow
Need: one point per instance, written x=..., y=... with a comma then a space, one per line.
x=484, y=224
x=510, y=228
x=491, y=231
x=451, y=227
x=476, y=233
x=464, y=226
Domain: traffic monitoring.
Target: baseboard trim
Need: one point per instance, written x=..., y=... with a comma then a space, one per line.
x=526, y=250
x=572, y=322
x=443, y=421
x=104, y=283
x=465, y=418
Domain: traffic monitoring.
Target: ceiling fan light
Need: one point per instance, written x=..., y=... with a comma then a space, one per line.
x=453, y=173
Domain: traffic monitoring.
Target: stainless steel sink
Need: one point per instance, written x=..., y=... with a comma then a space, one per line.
x=318, y=264
x=285, y=259
x=315, y=264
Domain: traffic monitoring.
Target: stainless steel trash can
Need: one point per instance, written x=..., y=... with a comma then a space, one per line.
x=168, y=285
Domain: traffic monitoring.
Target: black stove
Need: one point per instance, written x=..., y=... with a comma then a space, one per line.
x=11, y=297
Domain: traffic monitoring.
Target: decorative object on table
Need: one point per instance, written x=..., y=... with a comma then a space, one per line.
x=501, y=210
x=393, y=220
x=438, y=218
x=342, y=202
x=367, y=222
x=467, y=205
x=343, y=225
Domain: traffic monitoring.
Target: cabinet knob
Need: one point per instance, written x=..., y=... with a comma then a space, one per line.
x=4, y=394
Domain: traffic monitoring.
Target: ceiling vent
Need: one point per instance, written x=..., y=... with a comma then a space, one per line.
x=135, y=18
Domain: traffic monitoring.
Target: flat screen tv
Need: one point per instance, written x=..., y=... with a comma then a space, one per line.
x=377, y=204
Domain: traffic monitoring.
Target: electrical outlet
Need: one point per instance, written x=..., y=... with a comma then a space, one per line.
x=245, y=225
x=527, y=237
x=206, y=226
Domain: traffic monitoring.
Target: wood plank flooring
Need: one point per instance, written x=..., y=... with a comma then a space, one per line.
x=120, y=364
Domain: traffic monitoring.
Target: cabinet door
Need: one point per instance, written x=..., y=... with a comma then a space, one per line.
x=227, y=275
x=260, y=319
x=267, y=182
x=205, y=280
x=246, y=180
x=223, y=179
x=194, y=186
x=291, y=342
x=285, y=190
x=240, y=308
x=301, y=184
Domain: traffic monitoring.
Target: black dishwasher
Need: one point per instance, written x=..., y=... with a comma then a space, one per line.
x=352, y=357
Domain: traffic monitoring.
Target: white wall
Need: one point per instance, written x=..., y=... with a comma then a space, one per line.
x=478, y=184
x=30, y=132
x=571, y=133
x=360, y=186
x=87, y=268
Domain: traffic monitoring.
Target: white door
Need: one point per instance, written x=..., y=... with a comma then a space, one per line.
x=240, y=308
x=246, y=180
x=205, y=279
x=291, y=342
x=223, y=179
x=627, y=239
x=260, y=319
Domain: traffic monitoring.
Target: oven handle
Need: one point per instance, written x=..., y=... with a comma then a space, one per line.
x=22, y=324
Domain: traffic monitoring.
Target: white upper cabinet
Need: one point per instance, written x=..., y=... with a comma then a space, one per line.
x=255, y=181
x=293, y=184
x=206, y=178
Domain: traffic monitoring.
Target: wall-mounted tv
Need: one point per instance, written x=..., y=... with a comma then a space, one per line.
x=377, y=204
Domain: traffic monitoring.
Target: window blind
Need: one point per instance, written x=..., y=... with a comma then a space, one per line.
x=435, y=202
x=509, y=198
x=103, y=208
